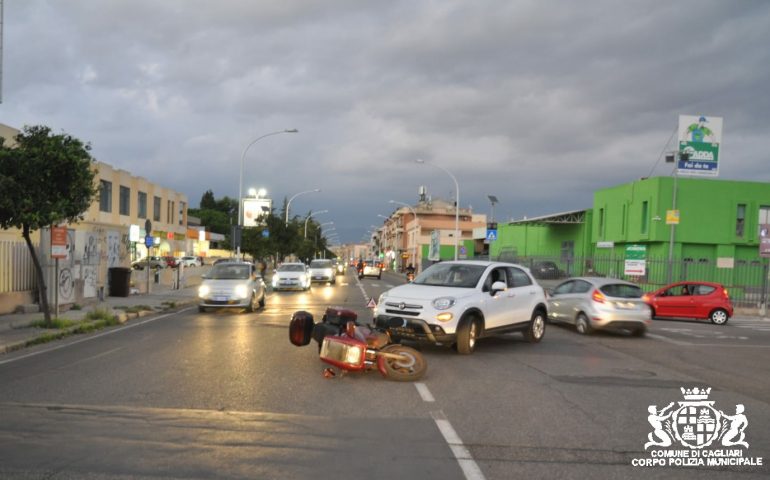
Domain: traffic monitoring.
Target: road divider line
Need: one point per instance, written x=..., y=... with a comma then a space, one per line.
x=669, y=340
x=425, y=394
x=463, y=456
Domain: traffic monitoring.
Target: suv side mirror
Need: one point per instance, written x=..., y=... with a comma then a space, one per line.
x=498, y=287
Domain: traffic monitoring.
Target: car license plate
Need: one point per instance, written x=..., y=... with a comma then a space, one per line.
x=318, y=277
x=626, y=305
x=220, y=299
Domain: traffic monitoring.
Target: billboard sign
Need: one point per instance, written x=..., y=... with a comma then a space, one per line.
x=255, y=210
x=435, y=244
x=699, y=140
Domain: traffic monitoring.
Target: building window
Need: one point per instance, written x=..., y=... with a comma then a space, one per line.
x=125, y=200
x=105, y=196
x=740, y=220
x=601, y=224
x=142, y=210
x=645, y=214
x=170, y=212
x=181, y=212
x=156, y=209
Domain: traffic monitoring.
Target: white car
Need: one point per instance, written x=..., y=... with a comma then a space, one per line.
x=291, y=276
x=322, y=271
x=233, y=284
x=456, y=303
x=190, y=261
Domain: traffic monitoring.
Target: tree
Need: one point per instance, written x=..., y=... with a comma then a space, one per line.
x=207, y=201
x=46, y=179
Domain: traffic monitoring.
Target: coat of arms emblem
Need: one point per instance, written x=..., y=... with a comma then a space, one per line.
x=695, y=423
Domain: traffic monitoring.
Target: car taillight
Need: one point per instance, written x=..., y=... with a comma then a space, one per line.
x=646, y=297
x=726, y=295
x=597, y=296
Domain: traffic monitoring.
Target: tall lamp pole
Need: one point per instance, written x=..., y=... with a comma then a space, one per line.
x=673, y=158
x=457, y=202
x=288, y=204
x=240, y=178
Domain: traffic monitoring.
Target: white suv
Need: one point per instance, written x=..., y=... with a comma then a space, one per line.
x=456, y=303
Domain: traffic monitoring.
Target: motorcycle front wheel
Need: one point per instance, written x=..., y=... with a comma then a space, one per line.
x=410, y=365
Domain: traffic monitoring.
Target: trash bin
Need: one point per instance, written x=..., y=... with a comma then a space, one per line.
x=120, y=281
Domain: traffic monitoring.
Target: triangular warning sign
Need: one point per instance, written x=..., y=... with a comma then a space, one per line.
x=371, y=304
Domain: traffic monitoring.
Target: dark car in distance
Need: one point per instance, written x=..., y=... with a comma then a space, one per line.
x=546, y=270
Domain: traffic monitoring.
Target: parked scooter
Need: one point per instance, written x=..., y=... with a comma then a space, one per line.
x=351, y=347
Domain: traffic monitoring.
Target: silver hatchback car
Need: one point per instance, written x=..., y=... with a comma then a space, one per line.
x=234, y=285
x=597, y=303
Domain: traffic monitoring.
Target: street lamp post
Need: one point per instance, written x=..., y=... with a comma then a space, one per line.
x=310, y=215
x=457, y=203
x=288, y=204
x=492, y=200
x=414, y=239
x=240, y=179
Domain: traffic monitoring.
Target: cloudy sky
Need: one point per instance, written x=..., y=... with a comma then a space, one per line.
x=536, y=102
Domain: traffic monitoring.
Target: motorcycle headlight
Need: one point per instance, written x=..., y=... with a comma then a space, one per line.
x=443, y=303
x=203, y=290
x=242, y=291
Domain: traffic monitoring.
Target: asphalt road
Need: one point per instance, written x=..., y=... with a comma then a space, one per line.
x=225, y=395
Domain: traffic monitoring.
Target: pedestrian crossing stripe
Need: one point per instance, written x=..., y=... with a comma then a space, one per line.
x=372, y=303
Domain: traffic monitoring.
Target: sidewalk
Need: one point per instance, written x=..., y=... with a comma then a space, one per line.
x=16, y=331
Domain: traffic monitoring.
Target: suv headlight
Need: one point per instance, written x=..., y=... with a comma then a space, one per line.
x=203, y=290
x=443, y=303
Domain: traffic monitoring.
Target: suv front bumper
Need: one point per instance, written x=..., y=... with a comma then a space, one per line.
x=417, y=330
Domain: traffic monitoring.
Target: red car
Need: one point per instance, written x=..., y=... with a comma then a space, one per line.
x=170, y=261
x=699, y=300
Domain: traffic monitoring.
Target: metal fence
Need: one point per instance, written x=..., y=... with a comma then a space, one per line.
x=746, y=281
x=17, y=272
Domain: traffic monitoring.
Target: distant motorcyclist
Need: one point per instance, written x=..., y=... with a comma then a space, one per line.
x=360, y=266
x=409, y=273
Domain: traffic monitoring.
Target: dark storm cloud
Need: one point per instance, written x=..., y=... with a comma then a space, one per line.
x=539, y=103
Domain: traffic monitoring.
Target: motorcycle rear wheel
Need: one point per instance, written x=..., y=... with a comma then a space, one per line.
x=410, y=367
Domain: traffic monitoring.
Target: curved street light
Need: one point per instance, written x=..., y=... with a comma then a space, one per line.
x=414, y=258
x=310, y=215
x=240, y=176
x=288, y=204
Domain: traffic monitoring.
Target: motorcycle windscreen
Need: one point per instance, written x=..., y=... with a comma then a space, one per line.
x=344, y=353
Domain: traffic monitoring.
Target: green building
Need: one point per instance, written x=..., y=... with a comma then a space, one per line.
x=716, y=239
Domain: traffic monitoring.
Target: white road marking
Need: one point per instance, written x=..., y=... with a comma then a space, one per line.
x=668, y=340
x=461, y=453
x=98, y=335
x=425, y=394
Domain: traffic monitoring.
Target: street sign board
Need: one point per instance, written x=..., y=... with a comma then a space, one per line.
x=58, y=242
x=148, y=241
x=635, y=263
x=672, y=217
x=491, y=234
x=764, y=240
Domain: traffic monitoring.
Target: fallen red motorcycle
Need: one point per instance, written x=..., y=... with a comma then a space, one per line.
x=350, y=347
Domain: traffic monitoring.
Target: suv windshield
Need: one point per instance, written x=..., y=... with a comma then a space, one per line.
x=451, y=275
x=291, y=268
x=230, y=272
x=321, y=264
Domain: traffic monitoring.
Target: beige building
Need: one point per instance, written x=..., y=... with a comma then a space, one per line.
x=102, y=240
x=406, y=234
